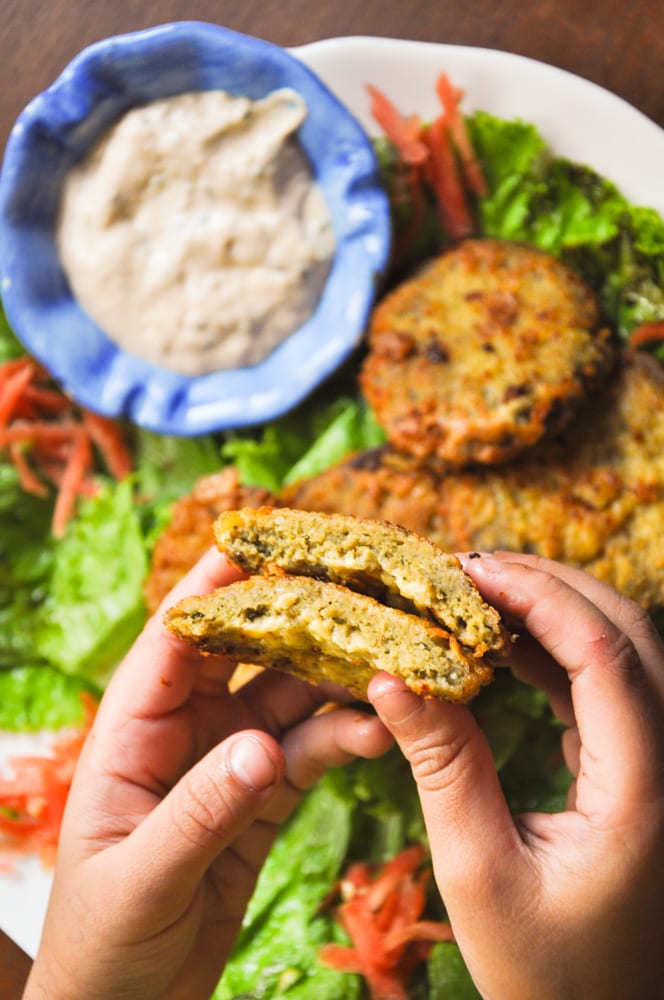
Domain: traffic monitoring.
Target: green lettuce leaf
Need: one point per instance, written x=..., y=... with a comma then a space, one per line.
x=166, y=468
x=571, y=211
x=303, y=443
x=26, y=559
x=276, y=953
x=9, y=344
x=95, y=608
x=37, y=696
x=448, y=976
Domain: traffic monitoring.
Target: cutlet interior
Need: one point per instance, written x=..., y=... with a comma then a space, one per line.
x=323, y=631
x=381, y=561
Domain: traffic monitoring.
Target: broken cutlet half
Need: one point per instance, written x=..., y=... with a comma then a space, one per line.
x=321, y=631
x=387, y=562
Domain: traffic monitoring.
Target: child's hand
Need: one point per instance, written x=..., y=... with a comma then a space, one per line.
x=175, y=803
x=567, y=906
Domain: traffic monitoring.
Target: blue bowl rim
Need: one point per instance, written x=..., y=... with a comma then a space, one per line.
x=106, y=379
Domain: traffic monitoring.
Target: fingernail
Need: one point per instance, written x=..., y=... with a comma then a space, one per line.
x=480, y=562
x=394, y=706
x=251, y=764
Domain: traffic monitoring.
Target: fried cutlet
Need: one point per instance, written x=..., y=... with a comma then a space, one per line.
x=593, y=498
x=488, y=349
x=322, y=631
x=382, y=560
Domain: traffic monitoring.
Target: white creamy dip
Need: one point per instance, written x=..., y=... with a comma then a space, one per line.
x=193, y=232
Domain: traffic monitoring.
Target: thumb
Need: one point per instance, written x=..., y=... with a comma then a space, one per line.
x=469, y=826
x=203, y=814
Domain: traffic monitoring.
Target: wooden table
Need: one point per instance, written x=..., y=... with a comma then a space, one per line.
x=618, y=44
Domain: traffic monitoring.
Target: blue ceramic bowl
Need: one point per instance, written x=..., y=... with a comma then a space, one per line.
x=55, y=131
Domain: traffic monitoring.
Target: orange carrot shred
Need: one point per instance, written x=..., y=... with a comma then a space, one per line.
x=419, y=930
x=441, y=156
x=33, y=797
x=27, y=478
x=49, y=438
x=107, y=437
x=404, y=132
x=450, y=99
x=647, y=333
x=447, y=183
x=12, y=389
x=77, y=467
x=380, y=910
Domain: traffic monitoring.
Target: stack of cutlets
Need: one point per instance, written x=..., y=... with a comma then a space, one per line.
x=514, y=421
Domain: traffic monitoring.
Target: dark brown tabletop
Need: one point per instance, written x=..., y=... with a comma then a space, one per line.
x=618, y=44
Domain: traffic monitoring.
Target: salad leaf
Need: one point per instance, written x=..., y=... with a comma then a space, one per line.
x=95, y=608
x=37, y=696
x=285, y=924
x=387, y=815
x=303, y=443
x=167, y=468
x=448, y=976
x=351, y=427
x=26, y=559
x=10, y=347
x=571, y=211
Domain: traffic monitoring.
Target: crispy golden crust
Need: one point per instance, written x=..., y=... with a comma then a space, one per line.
x=593, y=498
x=488, y=349
x=372, y=557
x=321, y=631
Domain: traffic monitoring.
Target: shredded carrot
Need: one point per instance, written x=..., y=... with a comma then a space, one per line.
x=647, y=333
x=380, y=910
x=108, y=439
x=440, y=156
x=47, y=400
x=33, y=797
x=52, y=442
x=404, y=132
x=446, y=180
x=450, y=98
x=27, y=478
x=79, y=463
x=12, y=389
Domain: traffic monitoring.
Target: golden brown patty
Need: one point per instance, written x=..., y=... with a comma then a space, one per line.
x=321, y=631
x=382, y=560
x=593, y=498
x=488, y=349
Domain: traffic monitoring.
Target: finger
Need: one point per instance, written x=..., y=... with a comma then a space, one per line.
x=215, y=802
x=628, y=616
x=462, y=801
x=281, y=700
x=328, y=740
x=617, y=715
x=532, y=664
x=157, y=674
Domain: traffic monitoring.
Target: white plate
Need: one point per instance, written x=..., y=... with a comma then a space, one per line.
x=578, y=119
